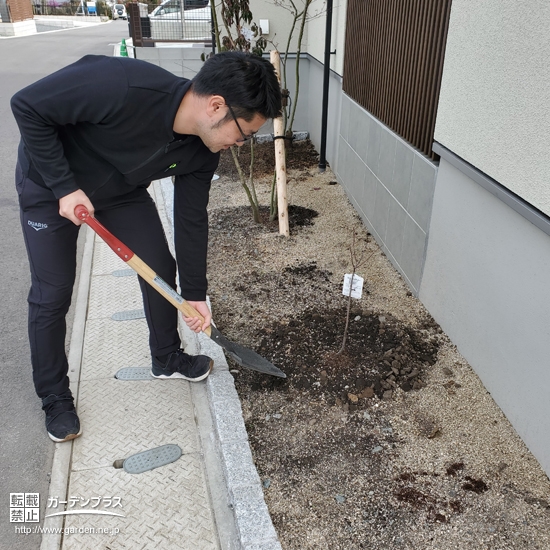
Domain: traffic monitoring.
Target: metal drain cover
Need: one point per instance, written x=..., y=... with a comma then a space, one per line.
x=149, y=460
x=128, y=315
x=134, y=373
x=123, y=273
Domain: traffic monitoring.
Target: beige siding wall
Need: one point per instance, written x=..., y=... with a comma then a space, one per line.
x=316, y=33
x=313, y=43
x=493, y=109
x=280, y=22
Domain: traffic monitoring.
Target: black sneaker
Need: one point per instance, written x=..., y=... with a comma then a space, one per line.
x=181, y=365
x=61, y=419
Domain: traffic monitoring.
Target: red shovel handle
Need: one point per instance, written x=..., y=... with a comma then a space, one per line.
x=120, y=249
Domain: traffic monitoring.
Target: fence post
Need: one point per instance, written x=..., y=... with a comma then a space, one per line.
x=135, y=24
x=280, y=157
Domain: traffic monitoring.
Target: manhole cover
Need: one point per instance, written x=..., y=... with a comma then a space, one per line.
x=154, y=458
x=128, y=315
x=124, y=273
x=134, y=373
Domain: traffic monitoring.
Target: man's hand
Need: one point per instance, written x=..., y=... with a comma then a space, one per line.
x=194, y=323
x=69, y=202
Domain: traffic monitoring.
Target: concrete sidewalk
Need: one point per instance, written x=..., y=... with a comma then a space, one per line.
x=209, y=498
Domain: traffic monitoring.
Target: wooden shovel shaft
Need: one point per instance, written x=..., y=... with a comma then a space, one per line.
x=139, y=266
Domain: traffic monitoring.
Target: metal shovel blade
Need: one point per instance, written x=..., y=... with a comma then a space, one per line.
x=244, y=356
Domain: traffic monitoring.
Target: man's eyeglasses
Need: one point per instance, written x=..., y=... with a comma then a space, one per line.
x=245, y=137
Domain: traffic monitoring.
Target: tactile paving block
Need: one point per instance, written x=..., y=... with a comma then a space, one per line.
x=165, y=509
x=110, y=346
x=151, y=459
x=105, y=261
x=120, y=419
x=110, y=294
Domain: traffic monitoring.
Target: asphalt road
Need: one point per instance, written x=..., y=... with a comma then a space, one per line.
x=26, y=452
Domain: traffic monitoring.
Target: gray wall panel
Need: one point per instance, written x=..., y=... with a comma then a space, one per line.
x=386, y=159
x=314, y=100
x=412, y=253
x=421, y=191
x=345, y=116
x=486, y=282
x=397, y=218
x=396, y=196
x=369, y=195
x=381, y=211
x=404, y=156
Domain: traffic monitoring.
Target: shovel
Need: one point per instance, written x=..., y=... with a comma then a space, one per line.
x=244, y=356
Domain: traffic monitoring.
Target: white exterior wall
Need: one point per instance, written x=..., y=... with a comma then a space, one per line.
x=316, y=33
x=495, y=95
x=280, y=22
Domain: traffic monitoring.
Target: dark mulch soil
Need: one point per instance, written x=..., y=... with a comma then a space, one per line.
x=300, y=155
x=381, y=354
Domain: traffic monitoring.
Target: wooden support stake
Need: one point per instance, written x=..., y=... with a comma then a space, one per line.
x=280, y=160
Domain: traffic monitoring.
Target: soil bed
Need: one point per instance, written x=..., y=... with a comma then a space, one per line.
x=391, y=443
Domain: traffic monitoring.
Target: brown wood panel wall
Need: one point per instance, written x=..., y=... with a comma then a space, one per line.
x=393, y=63
x=132, y=9
x=20, y=10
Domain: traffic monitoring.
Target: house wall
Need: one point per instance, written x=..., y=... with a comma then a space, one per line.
x=280, y=22
x=485, y=277
x=486, y=283
x=493, y=109
x=313, y=104
x=317, y=30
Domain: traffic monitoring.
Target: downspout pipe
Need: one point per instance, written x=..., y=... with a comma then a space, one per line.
x=326, y=81
x=5, y=12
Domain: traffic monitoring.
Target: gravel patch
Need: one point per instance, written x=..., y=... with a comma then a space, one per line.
x=393, y=443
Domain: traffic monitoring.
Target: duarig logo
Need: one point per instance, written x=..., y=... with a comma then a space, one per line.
x=37, y=226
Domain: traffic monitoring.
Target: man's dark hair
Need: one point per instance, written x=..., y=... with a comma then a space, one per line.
x=247, y=82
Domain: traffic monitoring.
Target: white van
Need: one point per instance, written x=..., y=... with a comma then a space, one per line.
x=119, y=11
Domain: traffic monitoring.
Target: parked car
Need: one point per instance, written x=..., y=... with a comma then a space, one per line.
x=119, y=11
x=171, y=9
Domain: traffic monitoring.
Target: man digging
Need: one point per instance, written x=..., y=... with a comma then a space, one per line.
x=97, y=133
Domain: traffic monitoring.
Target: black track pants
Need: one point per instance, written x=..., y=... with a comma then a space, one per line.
x=51, y=246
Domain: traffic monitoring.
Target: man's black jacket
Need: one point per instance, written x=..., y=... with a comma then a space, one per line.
x=105, y=125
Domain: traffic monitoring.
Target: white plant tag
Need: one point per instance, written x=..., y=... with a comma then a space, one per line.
x=356, y=288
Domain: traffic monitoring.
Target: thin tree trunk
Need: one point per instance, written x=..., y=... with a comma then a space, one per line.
x=254, y=205
x=298, y=53
x=347, y=317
